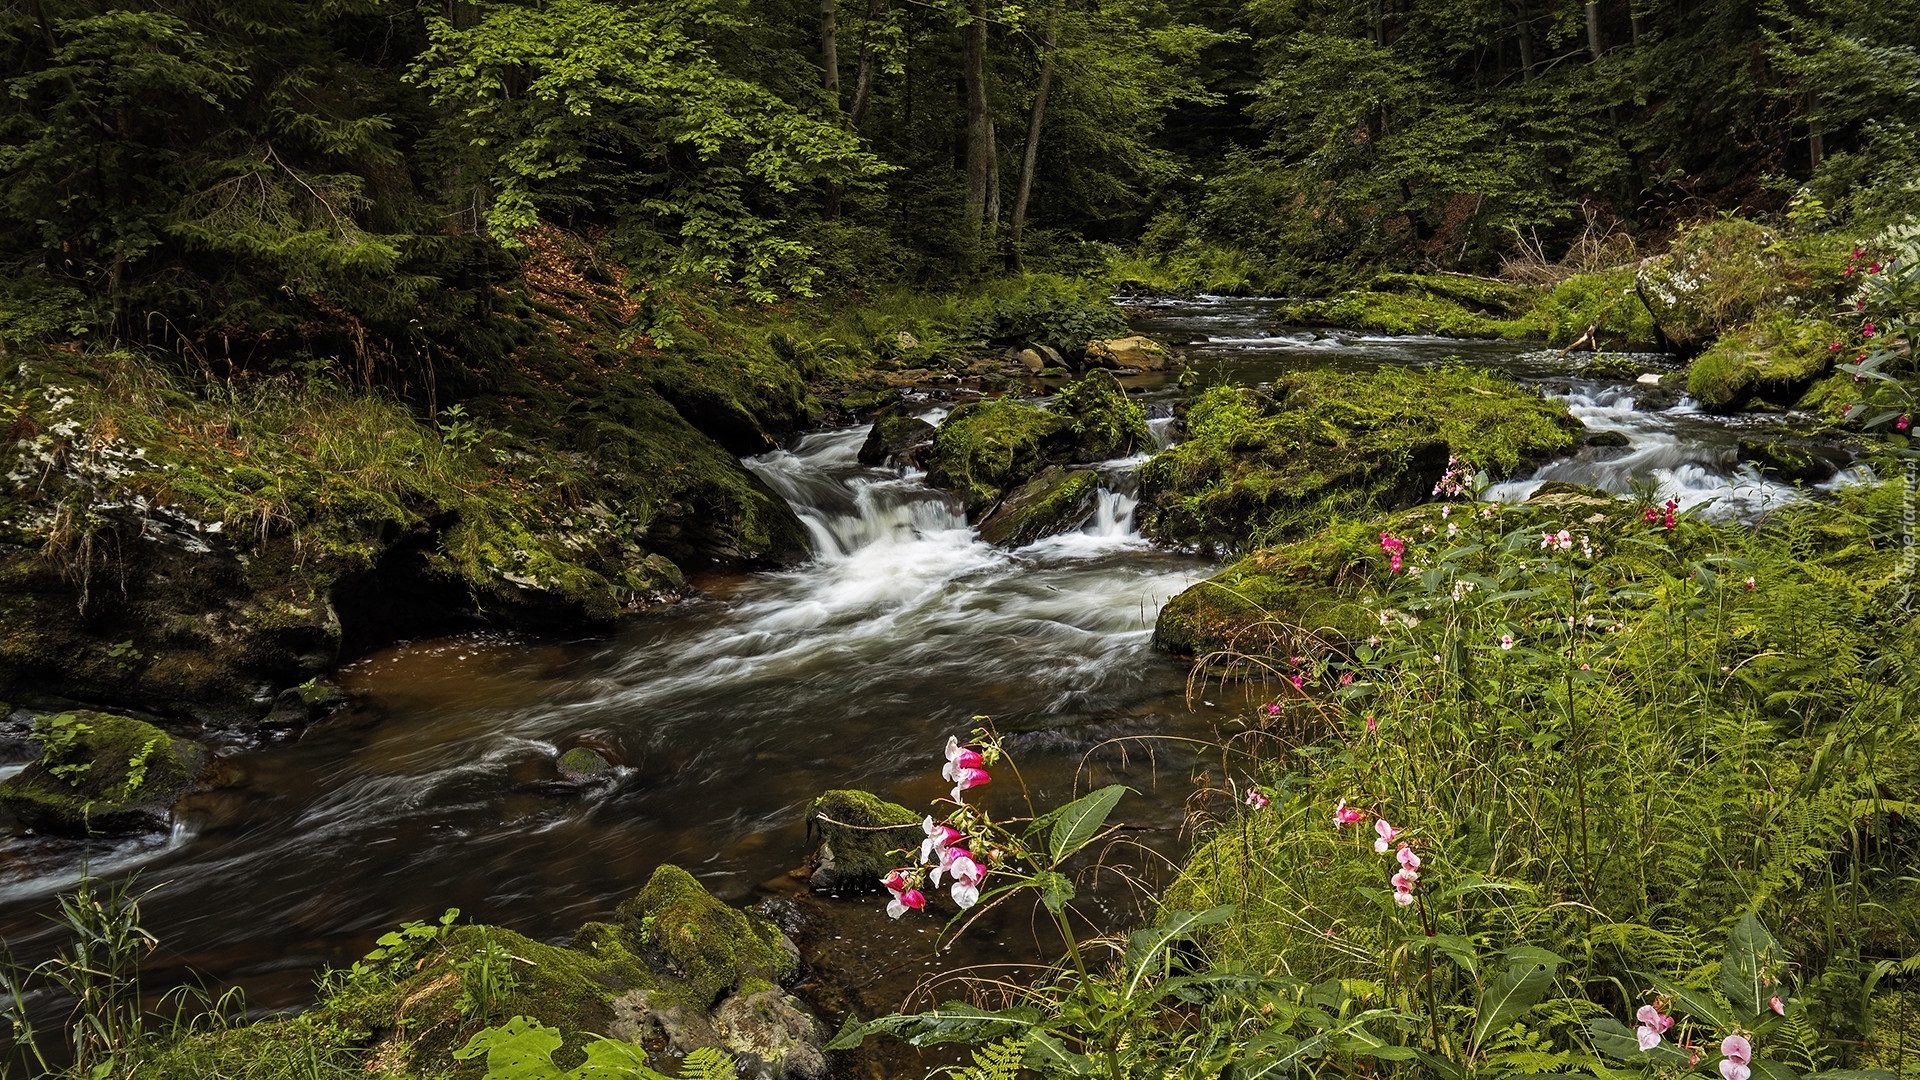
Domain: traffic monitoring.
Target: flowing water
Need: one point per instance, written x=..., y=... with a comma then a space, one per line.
x=729, y=713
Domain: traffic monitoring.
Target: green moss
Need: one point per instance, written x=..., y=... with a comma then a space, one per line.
x=99, y=771
x=1459, y=305
x=1776, y=359
x=1053, y=502
x=985, y=448
x=1269, y=467
x=1606, y=302
x=709, y=947
x=858, y=833
x=1106, y=423
x=1723, y=273
x=1284, y=601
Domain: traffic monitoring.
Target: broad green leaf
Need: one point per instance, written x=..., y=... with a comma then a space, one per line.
x=1616, y=1040
x=611, y=1059
x=1459, y=949
x=1699, y=1004
x=1746, y=972
x=1274, y=1053
x=1047, y=1056
x=1519, y=987
x=520, y=1049
x=1769, y=1069
x=1852, y=1074
x=1081, y=820
x=1145, y=946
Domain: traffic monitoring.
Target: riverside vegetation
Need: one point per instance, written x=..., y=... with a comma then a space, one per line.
x=327, y=324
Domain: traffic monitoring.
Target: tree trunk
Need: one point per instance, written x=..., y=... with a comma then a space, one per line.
x=829, y=51
x=869, y=60
x=1523, y=30
x=1594, y=44
x=1816, y=143
x=980, y=162
x=1031, y=157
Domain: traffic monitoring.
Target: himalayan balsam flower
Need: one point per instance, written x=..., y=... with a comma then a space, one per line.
x=1347, y=815
x=1652, y=1026
x=1255, y=799
x=1373, y=724
x=1406, y=858
x=963, y=768
x=1298, y=681
x=1403, y=883
x=1738, y=1056
x=1900, y=424
x=967, y=876
x=1506, y=641
x=1866, y=330
x=904, y=894
x=940, y=837
x=1386, y=834
x=1779, y=1007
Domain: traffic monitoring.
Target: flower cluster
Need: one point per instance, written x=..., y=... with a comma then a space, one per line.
x=944, y=854
x=1551, y=542
x=1407, y=877
x=1395, y=549
x=1652, y=514
x=1456, y=481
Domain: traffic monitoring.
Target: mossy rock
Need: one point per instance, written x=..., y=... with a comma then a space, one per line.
x=1400, y=309
x=707, y=947
x=986, y=448
x=1284, y=601
x=1776, y=360
x=99, y=772
x=1106, y=422
x=896, y=437
x=858, y=833
x=1720, y=274
x=1270, y=467
x=1056, y=501
x=1789, y=460
x=583, y=764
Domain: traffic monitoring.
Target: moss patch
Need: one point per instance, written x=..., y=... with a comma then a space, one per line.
x=986, y=448
x=1720, y=274
x=1775, y=359
x=859, y=832
x=709, y=947
x=1463, y=306
x=1268, y=467
x=1283, y=601
x=100, y=772
x=1053, y=502
x=1106, y=423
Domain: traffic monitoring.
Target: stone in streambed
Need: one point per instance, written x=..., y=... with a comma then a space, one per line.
x=1794, y=460
x=100, y=773
x=583, y=765
x=898, y=438
x=1135, y=353
x=858, y=833
x=710, y=949
x=1056, y=501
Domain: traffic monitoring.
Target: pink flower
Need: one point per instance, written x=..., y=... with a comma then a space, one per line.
x=1386, y=835
x=1652, y=1026
x=905, y=896
x=1298, y=681
x=967, y=779
x=1373, y=724
x=1273, y=709
x=967, y=876
x=1873, y=268
x=1346, y=678
x=1506, y=641
x=1866, y=330
x=1779, y=1007
x=1739, y=1054
x=1255, y=799
x=1347, y=815
x=1403, y=883
x=1900, y=424
x=960, y=757
x=1857, y=252
x=939, y=838
x=1835, y=347
x=1749, y=583
x=1407, y=859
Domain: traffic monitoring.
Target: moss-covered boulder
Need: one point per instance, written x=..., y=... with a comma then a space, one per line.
x=984, y=449
x=710, y=949
x=1794, y=460
x=858, y=832
x=98, y=772
x=1290, y=600
x=1136, y=353
x=1601, y=307
x=1272, y=466
x=897, y=437
x=1056, y=501
x=1719, y=274
x=1776, y=359
x=1106, y=422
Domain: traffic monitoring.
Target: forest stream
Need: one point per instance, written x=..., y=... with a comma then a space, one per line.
x=727, y=715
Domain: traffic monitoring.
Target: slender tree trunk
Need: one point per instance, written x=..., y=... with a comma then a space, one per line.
x=1523, y=31
x=1595, y=45
x=869, y=60
x=1637, y=24
x=1031, y=157
x=980, y=156
x=830, y=80
x=1816, y=144
x=830, y=51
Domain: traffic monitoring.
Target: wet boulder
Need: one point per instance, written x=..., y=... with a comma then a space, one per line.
x=706, y=947
x=100, y=773
x=583, y=765
x=1056, y=501
x=1282, y=601
x=773, y=1035
x=858, y=832
x=1794, y=461
x=1775, y=360
x=1106, y=423
x=1132, y=354
x=986, y=448
x=897, y=437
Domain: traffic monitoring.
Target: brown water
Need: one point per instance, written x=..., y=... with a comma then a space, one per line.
x=728, y=714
